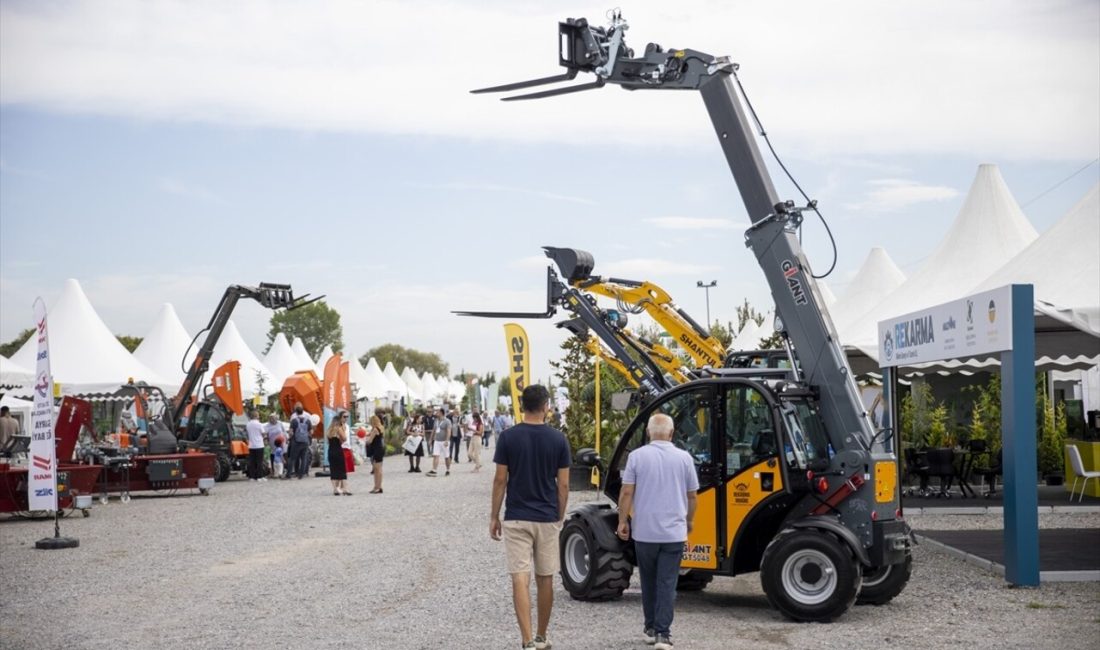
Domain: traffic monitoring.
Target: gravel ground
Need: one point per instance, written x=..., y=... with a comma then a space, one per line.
x=286, y=564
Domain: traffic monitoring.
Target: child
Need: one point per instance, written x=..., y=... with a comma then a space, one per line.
x=277, y=459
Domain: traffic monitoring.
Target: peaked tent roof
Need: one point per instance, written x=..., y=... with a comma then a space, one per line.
x=875, y=279
x=749, y=336
x=375, y=386
x=85, y=357
x=396, y=385
x=305, y=362
x=357, y=375
x=429, y=387
x=13, y=374
x=989, y=230
x=164, y=345
x=281, y=361
x=323, y=358
x=1063, y=263
x=231, y=347
x=826, y=294
x=412, y=382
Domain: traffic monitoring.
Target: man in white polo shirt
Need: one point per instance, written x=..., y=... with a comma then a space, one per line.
x=659, y=486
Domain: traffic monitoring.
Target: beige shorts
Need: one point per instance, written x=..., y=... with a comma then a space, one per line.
x=439, y=448
x=524, y=540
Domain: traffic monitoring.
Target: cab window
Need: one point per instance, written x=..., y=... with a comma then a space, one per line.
x=749, y=431
x=691, y=417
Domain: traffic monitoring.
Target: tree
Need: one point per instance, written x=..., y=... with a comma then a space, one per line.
x=12, y=346
x=129, y=342
x=403, y=357
x=745, y=312
x=316, y=324
x=575, y=371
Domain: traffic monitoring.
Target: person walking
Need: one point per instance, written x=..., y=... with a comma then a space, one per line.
x=533, y=471
x=337, y=435
x=256, y=445
x=414, y=443
x=456, y=435
x=376, y=450
x=441, y=439
x=660, y=485
x=477, y=430
x=276, y=439
x=301, y=431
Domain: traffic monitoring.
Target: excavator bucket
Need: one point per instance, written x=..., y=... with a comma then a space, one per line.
x=575, y=265
x=227, y=386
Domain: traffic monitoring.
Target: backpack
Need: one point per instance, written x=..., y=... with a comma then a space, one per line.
x=301, y=428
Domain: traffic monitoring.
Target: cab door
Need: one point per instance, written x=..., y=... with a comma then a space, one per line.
x=693, y=410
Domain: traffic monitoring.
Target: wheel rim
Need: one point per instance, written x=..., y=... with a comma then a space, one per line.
x=576, y=558
x=809, y=577
x=878, y=576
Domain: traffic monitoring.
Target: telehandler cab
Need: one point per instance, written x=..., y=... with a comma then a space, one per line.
x=794, y=481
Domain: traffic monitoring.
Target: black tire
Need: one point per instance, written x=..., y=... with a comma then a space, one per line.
x=881, y=585
x=809, y=575
x=693, y=581
x=589, y=573
x=222, y=467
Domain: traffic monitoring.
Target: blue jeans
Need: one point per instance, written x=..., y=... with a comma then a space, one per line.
x=659, y=567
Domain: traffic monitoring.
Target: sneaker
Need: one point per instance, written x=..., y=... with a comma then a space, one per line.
x=542, y=644
x=528, y=646
x=664, y=642
x=431, y=472
x=263, y=480
x=448, y=473
x=650, y=636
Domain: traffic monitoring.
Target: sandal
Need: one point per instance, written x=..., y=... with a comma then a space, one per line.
x=376, y=491
x=347, y=494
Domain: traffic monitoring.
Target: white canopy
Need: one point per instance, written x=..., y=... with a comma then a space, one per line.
x=305, y=362
x=13, y=374
x=357, y=375
x=826, y=294
x=444, y=386
x=396, y=385
x=875, y=280
x=323, y=358
x=281, y=361
x=85, y=357
x=412, y=382
x=164, y=345
x=1063, y=264
x=749, y=336
x=989, y=230
x=429, y=387
x=375, y=385
x=457, y=389
x=231, y=347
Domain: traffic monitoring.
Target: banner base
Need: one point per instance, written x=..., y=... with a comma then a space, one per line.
x=55, y=543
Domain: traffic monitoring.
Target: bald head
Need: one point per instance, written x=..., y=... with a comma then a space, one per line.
x=659, y=427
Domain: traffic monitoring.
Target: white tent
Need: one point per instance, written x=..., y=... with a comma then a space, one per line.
x=749, y=337
x=457, y=390
x=412, y=383
x=826, y=294
x=323, y=358
x=1063, y=264
x=231, y=347
x=85, y=357
x=13, y=374
x=305, y=362
x=357, y=375
x=989, y=230
x=164, y=345
x=281, y=361
x=397, y=386
x=444, y=386
x=876, y=278
x=429, y=387
x=375, y=385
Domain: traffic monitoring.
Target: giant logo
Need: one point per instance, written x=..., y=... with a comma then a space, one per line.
x=794, y=285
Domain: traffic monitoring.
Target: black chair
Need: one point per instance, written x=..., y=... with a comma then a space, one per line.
x=941, y=465
x=989, y=472
x=915, y=465
x=974, y=450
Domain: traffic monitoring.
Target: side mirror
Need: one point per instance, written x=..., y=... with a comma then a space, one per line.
x=587, y=457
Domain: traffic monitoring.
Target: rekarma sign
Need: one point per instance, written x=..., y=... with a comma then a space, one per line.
x=974, y=325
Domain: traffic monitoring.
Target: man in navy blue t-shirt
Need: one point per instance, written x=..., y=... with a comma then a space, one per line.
x=533, y=470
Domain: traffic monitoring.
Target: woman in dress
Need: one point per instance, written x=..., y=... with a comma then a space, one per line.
x=477, y=430
x=337, y=435
x=376, y=450
x=414, y=438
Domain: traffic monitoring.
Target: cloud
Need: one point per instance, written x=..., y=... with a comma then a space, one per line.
x=694, y=223
x=492, y=187
x=640, y=268
x=913, y=76
x=893, y=194
x=177, y=187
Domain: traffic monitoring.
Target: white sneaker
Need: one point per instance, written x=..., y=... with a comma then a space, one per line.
x=542, y=644
x=263, y=480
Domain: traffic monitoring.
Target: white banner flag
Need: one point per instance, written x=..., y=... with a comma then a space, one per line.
x=42, y=486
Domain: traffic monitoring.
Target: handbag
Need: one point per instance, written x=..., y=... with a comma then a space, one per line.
x=349, y=460
x=412, y=443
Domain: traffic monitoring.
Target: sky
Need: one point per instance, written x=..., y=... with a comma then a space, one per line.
x=161, y=151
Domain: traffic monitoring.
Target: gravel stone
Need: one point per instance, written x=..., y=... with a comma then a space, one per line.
x=286, y=564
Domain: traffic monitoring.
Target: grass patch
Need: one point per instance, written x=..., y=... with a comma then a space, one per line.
x=1035, y=605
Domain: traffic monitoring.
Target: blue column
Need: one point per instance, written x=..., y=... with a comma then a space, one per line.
x=1021, y=503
